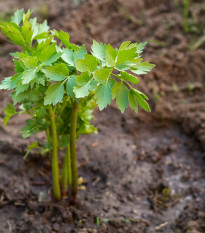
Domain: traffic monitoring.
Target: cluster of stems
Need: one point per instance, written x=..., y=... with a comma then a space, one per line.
x=69, y=175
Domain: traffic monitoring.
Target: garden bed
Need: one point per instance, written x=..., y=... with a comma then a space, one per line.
x=141, y=173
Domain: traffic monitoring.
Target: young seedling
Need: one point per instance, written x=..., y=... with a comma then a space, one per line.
x=59, y=85
x=186, y=15
x=190, y=23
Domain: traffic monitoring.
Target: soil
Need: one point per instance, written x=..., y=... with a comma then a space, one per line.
x=141, y=173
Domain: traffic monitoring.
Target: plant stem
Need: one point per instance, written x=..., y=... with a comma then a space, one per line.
x=69, y=171
x=54, y=158
x=48, y=135
x=74, y=170
x=198, y=43
x=186, y=15
x=66, y=175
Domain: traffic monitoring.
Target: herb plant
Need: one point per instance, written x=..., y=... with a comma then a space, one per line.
x=59, y=84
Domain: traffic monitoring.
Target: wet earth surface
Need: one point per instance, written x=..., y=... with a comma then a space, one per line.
x=141, y=173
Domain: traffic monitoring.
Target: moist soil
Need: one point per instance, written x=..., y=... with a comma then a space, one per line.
x=140, y=173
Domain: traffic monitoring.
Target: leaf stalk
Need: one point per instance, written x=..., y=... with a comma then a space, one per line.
x=54, y=158
x=74, y=170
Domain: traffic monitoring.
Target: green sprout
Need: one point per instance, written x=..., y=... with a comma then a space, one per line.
x=190, y=23
x=186, y=15
x=59, y=85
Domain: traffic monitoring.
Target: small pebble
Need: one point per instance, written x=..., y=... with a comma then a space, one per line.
x=56, y=227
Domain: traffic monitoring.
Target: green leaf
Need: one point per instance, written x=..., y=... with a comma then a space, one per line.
x=140, y=47
x=12, y=31
x=71, y=83
x=26, y=106
x=21, y=88
x=40, y=30
x=40, y=112
x=85, y=84
x=28, y=76
x=23, y=54
x=133, y=101
x=126, y=55
x=17, y=17
x=40, y=78
x=34, y=95
x=123, y=66
x=5, y=83
x=43, y=27
x=68, y=56
x=87, y=129
x=64, y=37
x=52, y=59
x=98, y=50
x=142, y=94
x=102, y=75
x=6, y=119
x=9, y=111
x=79, y=53
x=135, y=61
x=54, y=94
x=111, y=55
x=47, y=148
x=142, y=68
x=83, y=79
x=124, y=45
x=128, y=45
x=15, y=55
x=33, y=126
x=120, y=92
x=32, y=146
x=41, y=45
x=47, y=52
x=25, y=95
x=103, y=94
x=89, y=63
x=30, y=62
x=92, y=85
x=15, y=79
x=81, y=65
x=18, y=98
x=26, y=132
x=82, y=91
x=141, y=100
x=18, y=66
x=57, y=72
x=71, y=57
x=27, y=32
x=27, y=15
x=128, y=77
x=43, y=35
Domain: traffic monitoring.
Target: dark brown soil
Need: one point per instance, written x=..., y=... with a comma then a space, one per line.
x=142, y=173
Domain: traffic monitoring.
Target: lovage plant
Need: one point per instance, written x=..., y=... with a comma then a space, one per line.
x=59, y=84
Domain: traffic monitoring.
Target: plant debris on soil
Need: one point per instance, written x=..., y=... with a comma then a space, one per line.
x=140, y=173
